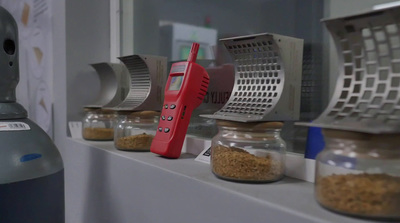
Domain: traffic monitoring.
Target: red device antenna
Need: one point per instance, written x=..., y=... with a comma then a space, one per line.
x=193, y=53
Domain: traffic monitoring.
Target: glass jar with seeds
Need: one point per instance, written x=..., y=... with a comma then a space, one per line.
x=359, y=174
x=248, y=152
x=98, y=124
x=136, y=130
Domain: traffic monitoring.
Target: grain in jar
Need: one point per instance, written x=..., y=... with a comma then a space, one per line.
x=248, y=152
x=98, y=124
x=136, y=131
x=358, y=174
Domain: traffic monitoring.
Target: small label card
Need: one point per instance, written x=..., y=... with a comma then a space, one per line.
x=204, y=156
x=76, y=129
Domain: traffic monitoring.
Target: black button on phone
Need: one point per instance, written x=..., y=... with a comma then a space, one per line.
x=166, y=130
x=166, y=106
x=172, y=106
x=163, y=117
x=169, y=118
x=160, y=129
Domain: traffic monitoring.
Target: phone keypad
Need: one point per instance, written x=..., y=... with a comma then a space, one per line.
x=167, y=116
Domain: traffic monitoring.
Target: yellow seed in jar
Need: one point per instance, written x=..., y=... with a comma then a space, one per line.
x=238, y=164
x=362, y=194
x=98, y=133
x=135, y=142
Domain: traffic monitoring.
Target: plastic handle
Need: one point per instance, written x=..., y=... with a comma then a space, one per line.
x=193, y=52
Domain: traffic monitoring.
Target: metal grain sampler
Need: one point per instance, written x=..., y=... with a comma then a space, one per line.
x=114, y=84
x=366, y=98
x=147, y=78
x=268, y=70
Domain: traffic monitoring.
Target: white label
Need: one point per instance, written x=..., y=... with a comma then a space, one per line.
x=76, y=129
x=204, y=156
x=14, y=126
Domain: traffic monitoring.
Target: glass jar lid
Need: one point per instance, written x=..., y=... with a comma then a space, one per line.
x=124, y=112
x=250, y=125
x=144, y=114
x=250, y=130
x=99, y=110
x=86, y=109
x=362, y=137
x=362, y=145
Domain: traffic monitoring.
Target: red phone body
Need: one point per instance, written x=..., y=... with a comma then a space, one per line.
x=186, y=87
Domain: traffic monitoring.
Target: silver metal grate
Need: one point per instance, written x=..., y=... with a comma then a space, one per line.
x=140, y=81
x=147, y=80
x=113, y=84
x=366, y=98
x=311, y=87
x=262, y=81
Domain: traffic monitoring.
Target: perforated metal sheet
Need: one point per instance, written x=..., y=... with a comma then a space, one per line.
x=366, y=98
x=311, y=87
x=147, y=81
x=113, y=84
x=261, y=79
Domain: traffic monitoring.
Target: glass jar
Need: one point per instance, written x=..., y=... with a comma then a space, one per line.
x=202, y=127
x=358, y=174
x=136, y=131
x=98, y=124
x=248, y=152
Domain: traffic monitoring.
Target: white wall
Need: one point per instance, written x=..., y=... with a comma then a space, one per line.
x=81, y=36
x=88, y=41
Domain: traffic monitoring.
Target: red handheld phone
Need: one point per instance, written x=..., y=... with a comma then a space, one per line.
x=185, y=90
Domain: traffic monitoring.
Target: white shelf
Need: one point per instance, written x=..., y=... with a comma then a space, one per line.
x=104, y=184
